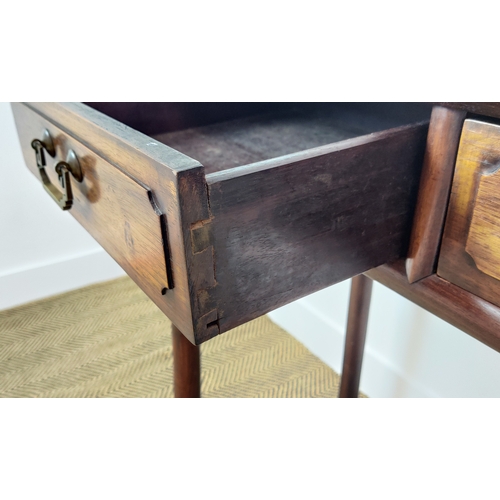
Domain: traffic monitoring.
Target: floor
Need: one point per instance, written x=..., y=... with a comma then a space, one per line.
x=110, y=340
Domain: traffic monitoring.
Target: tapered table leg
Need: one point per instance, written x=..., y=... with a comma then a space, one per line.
x=359, y=307
x=186, y=366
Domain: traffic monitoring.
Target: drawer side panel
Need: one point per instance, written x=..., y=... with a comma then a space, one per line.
x=292, y=226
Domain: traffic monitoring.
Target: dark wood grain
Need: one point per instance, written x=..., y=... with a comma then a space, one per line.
x=357, y=321
x=187, y=370
x=288, y=227
x=280, y=132
x=470, y=246
x=466, y=311
x=435, y=184
x=479, y=108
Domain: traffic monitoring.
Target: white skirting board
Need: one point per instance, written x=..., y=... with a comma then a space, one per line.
x=325, y=339
x=34, y=283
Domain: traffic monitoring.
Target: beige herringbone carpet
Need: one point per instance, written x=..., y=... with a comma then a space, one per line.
x=110, y=340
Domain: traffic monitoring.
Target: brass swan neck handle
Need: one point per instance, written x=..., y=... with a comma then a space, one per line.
x=63, y=168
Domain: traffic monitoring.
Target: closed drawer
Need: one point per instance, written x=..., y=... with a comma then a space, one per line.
x=470, y=251
x=221, y=213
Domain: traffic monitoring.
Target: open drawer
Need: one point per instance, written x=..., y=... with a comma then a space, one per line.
x=223, y=212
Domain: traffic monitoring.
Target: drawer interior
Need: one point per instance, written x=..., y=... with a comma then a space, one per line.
x=227, y=135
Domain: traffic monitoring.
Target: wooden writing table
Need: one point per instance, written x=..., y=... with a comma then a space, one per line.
x=222, y=212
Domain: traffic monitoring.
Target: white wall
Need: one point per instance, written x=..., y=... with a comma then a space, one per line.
x=43, y=250
x=409, y=352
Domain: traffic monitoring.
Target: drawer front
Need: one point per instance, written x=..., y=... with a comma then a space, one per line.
x=137, y=198
x=118, y=211
x=470, y=252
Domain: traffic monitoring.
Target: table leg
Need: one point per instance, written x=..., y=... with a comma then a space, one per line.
x=359, y=307
x=186, y=366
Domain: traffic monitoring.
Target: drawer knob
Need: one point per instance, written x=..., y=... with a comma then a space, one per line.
x=63, y=169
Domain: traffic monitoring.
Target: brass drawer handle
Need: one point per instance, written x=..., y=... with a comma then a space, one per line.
x=63, y=168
